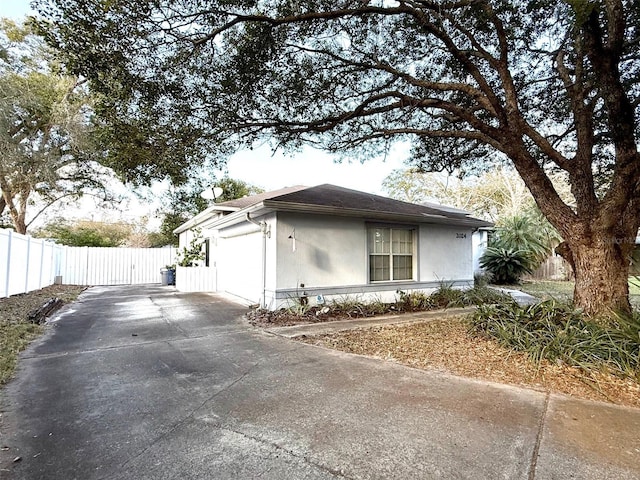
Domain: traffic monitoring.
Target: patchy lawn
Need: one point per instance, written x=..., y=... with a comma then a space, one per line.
x=563, y=290
x=16, y=332
x=446, y=345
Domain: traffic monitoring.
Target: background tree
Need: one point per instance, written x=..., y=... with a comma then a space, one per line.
x=185, y=201
x=493, y=195
x=85, y=233
x=46, y=152
x=542, y=84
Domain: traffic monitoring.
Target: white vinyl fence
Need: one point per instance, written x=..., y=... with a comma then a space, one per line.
x=196, y=279
x=114, y=266
x=26, y=263
x=31, y=264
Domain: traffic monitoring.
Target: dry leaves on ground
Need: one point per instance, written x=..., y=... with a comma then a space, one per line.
x=17, y=307
x=446, y=345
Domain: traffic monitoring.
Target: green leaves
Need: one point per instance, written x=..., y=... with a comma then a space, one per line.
x=557, y=332
x=46, y=151
x=505, y=264
x=518, y=246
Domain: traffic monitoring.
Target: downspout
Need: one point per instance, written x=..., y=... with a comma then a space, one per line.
x=266, y=233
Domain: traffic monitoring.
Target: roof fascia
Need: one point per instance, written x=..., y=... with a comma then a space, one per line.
x=239, y=216
x=349, y=212
x=202, y=217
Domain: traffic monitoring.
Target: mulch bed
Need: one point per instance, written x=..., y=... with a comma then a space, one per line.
x=286, y=318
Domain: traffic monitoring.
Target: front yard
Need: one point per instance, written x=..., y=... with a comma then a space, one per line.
x=560, y=290
x=446, y=345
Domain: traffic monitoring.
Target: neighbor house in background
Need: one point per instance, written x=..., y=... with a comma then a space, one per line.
x=312, y=244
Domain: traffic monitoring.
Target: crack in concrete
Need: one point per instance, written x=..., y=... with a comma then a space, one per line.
x=28, y=356
x=182, y=421
x=536, y=448
x=288, y=451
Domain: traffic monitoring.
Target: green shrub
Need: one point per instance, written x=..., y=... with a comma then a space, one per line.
x=413, y=301
x=350, y=307
x=447, y=297
x=505, y=265
x=557, y=332
x=481, y=295
x=481, y=279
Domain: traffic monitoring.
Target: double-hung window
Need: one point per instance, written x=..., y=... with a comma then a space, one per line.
x=390, y=254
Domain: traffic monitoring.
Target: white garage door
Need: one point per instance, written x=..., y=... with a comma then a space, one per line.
x=240, y=266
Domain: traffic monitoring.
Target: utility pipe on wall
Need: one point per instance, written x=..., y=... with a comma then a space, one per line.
x=266, y=232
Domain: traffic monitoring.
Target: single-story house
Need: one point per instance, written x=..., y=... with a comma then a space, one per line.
x=314, y=244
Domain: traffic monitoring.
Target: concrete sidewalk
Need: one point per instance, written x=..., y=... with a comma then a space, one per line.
x=520, y=297
x=322, y=328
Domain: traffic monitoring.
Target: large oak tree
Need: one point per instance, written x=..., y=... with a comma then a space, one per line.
x=543, y=84
x=46, y=152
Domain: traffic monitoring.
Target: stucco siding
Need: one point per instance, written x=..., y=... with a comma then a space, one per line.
x=329, y=251
x=445, y=253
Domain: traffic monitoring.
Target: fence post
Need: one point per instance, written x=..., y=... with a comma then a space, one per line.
x=26, y=277
x=6, y=286
x=42, y=245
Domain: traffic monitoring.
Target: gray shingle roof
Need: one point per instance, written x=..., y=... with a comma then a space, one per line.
x=338, y=201
x=333, y=197
x=245, y=202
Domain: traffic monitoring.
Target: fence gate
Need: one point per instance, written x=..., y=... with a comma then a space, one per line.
x=114, y=266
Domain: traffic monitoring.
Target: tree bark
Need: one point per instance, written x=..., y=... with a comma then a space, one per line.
x=602, y=276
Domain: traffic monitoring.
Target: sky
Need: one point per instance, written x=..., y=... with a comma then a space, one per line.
x=259, y=167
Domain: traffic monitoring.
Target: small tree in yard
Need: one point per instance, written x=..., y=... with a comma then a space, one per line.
x=544, y=85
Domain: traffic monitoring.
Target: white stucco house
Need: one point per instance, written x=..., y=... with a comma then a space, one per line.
x=324, y=242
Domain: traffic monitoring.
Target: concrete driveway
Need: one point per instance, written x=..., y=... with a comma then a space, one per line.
x=147, y=383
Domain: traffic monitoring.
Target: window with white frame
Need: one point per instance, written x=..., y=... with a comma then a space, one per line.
x=390, y=254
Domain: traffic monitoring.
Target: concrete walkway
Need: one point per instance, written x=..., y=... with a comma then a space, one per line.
x=520, y=297
x=146, y=383
x=322, y=328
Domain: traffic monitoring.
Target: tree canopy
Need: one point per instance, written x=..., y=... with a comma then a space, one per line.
x=493, y=195
x=46, y=153
x=545, y=85
x=184, y=201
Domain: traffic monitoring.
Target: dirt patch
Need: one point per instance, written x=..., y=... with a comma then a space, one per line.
x=17, y=307
x=446, y=345
x=16, y=332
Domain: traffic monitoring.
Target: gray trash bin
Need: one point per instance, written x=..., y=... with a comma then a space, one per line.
x=164, y=272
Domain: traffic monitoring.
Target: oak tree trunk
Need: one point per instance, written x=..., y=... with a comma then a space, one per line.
x=602, y=276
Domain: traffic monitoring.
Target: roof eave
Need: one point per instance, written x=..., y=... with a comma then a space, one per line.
x=239, y=216
x=373, y=215
x=202, y=217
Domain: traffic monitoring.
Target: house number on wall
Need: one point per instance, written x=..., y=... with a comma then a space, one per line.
x=461, y=235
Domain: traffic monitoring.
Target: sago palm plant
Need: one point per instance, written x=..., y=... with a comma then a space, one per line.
x=505, y=264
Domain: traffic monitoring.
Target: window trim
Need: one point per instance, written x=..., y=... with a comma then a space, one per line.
x=413, y=229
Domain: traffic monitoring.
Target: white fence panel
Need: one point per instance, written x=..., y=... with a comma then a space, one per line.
x=114, y=265
x=29, y=263
x=196, y=279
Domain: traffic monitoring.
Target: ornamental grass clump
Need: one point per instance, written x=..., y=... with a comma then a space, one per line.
x=557, y=332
